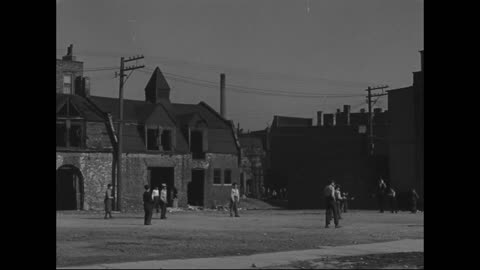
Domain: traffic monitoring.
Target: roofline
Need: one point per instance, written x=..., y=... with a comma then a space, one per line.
x=401, y=88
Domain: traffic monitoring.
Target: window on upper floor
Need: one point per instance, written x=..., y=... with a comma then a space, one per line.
x=227, y=177
x=67, y=84
x=166, y=140
x=152, y=139
x=70, y=133
x=217, y=176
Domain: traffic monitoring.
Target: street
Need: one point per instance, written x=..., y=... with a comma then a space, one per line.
x=86, y=238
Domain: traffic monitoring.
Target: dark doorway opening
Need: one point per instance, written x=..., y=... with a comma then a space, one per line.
x=69, y=188
x=163, y=175
x=195, y=188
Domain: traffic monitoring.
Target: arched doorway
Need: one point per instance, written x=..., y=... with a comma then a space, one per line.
x=69, y=188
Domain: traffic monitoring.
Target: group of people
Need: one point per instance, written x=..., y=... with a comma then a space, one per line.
x=386, y=192
x=336, y=202
x=155, y=199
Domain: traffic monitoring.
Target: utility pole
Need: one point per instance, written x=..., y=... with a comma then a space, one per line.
x=120, y=124
x=370, y=114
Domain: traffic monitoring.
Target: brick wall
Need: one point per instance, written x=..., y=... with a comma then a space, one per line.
x=73, y=67
x=96, y=170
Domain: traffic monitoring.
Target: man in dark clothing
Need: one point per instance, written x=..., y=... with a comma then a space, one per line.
x=108, y=201
x=331, y=205
x=413, y=200
x=381, y=190
x=148, y=205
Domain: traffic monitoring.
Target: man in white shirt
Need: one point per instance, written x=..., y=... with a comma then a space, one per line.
x=156, y=199
x=163, y=201
x=234, y=199
x=330, y=204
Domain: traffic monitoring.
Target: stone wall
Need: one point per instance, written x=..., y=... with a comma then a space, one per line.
x=96, y=170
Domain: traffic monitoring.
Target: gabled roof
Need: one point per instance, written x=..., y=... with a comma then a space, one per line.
x=79, y=105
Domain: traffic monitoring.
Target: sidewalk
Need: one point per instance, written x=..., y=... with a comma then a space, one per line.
x=268, y=259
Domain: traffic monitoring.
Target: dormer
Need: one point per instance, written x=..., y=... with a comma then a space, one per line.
x=157, y=88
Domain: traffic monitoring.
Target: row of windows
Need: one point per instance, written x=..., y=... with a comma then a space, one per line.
x=217, y=177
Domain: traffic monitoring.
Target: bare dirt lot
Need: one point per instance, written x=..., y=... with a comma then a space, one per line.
x=86, y=238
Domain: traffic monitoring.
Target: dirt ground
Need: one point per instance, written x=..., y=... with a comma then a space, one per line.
x=86, y=238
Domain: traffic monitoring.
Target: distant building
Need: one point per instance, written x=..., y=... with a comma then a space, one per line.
x=302, y=157
x=252, y=165
x=406, y=136
x=186, y=146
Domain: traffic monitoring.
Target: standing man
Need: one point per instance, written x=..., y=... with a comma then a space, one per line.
x=392, y=198
x=163, y=201
x=381, y=190
x=108, y=201
x=234, y=199
x=339, y=201
x=331, y=207
x=147, y=205
x=413, y=200
x=156, y=199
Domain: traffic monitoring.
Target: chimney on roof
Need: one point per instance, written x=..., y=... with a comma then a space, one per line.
x=319, y=118
x=69, y=56
x=346, y=111
x=421, y=59
x=223, y=111
x=157, y=88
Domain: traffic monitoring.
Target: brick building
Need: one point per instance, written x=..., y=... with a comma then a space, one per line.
x=406, y=137
x=187, y=146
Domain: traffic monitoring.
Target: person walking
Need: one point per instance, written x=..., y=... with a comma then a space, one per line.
x=338, y=200
x=147, y=205
x=234, y=199
x=108, y=201
x=381, y=190
x=413, y=200
x=163, y=202
x=331, y=207
x=392, y=198
x=345, y=202
x=156, y=199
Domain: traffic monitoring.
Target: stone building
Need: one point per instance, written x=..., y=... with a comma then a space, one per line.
x=187, y=146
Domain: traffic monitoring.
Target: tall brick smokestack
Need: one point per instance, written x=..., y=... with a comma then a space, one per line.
x=223, y=111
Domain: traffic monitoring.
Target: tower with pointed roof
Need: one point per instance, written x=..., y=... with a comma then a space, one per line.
x=157, y=88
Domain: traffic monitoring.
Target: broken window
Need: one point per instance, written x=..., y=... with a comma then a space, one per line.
x=217, y=176
x=61, y=134
x=227, y=177
x=69, y=133
x=152, y=139
x=167, y=140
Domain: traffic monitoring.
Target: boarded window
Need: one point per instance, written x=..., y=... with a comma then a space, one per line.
x=152, y=139
x=228, y=176
x=217, y=176
x=167, y=140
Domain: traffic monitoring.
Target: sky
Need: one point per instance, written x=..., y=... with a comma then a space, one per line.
x=280, y=57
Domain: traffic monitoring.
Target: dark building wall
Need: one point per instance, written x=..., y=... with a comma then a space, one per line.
x=96, y=169
x=304, y=160
x=72, y=67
